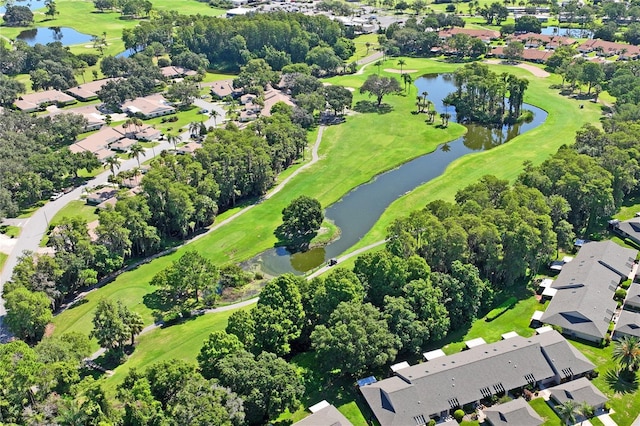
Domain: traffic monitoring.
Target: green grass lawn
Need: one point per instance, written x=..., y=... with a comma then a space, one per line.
x=10, y=231
x=184, y=118
x=340, y=169
x=162, y=344
x=361, y=46
x=3, y=258
x=505, y=161
x=546, y=412
x=515, y=315
x=624, y=397
x=76, y=208
x=340, y=392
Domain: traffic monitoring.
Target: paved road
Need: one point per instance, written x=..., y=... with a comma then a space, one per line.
x=35, y=227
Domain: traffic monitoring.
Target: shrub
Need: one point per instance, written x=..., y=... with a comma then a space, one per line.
x=620, y=294
x=626, y=284
x=458, y=415
x=432, y=422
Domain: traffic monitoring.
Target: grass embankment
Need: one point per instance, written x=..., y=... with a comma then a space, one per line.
x=73, y=209
x=3, y=258
x=543, y=409
x=624, y=397
x=160, y=344
x=10, y=231
x=505, y=161
x=340, y=169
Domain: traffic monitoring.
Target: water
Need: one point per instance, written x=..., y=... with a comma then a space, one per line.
x=359, y=210
x=31, y=4
x=567, y=32
x=67, y=36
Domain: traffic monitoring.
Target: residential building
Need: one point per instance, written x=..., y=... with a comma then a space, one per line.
x=98, y=143
x=516, y=412
x=627, y=228
x=149, y=106
x=578, y=391
x=101, y=195
x=35, y=101
x=174, y=71
x=484, y=35
x=583, y=303
x=189, y=148
x=88, y=91
x=609, y=48
x=324, y=414
x=628, y=324
x=223, y=88
x=437, y=387
x=632, y=301
x=123, y=145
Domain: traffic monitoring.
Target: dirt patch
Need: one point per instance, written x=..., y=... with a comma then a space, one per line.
x=532, y=69
x=395, y=71
x=48, y=331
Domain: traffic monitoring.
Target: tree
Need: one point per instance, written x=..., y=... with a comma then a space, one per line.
x=113, y=163
x=380, y=86
x=18, y=16
x=586, y=410
x=10, y=89
x=341, y=285
x=135, y=151
x=28, y=313
x=267, y=384
x=592, y=74
x=52, y=9
x=109, y=327
x=301, y=217
x=338, y=98
x=514, y=50
x=627, y=352
x=188, y=277
x=174, y=139
x=278, y=316
x=184, y=92
x=567, y=411
x=218, y=345
x=355, y=339
x=256, y=73
x=402, y=63
x=528, y=24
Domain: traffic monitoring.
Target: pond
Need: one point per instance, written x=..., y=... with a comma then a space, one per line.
x=67, y=36
x=31, y=4
x=567, y=32
x=359, y=210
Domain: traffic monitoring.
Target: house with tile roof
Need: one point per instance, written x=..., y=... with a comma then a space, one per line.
x=149, y=106
x=34, y=101
x=438, y=387
x=583, y=302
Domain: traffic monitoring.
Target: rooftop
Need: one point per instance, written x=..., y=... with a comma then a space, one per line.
x=517, y=412
x=628, y=324
x=580, y=390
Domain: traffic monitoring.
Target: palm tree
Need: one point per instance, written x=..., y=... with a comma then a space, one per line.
x=194, y=128
x=378, y=64
x=214, y=114
x=402, y=63
x=568, y=411
x=368, y=46
x=135, y=151
x=627, y=352
x=174, y=139
x=407, y=80
x=135, y=324
x=586, y=411
x=71, y=413
x=445, y=116
x=113, y=163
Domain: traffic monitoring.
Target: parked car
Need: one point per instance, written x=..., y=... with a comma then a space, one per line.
x=56, y=195
x=204, y=111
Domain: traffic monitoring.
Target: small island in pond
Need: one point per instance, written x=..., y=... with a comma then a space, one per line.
x=483, y=96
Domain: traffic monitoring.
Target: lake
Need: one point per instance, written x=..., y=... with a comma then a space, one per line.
x=67, y=36
x=359, y=210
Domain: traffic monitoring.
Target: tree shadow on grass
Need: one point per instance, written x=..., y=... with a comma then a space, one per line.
x=369, y=107
x=159, y=302
x=622, y=381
